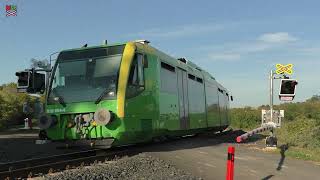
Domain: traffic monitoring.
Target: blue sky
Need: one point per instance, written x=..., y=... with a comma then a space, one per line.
x=238, y=42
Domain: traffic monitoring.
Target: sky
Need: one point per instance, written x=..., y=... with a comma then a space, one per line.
x=238, y=42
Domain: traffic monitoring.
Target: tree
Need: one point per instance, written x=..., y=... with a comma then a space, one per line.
x=11, y=104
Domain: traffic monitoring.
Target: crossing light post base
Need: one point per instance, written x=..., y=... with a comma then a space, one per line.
x=271, y=141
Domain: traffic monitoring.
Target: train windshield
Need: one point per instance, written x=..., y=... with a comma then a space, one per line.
x=86, y=77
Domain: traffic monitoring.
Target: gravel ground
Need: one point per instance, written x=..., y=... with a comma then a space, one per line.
x=140, y=166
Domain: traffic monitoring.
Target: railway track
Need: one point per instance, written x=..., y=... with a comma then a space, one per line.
x=39, y=166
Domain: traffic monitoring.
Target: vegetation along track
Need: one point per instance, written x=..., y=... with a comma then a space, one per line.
x=37, y=166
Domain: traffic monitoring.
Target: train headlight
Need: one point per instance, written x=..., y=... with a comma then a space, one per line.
x=111, y=94
x=46, y=121
x=102, y=117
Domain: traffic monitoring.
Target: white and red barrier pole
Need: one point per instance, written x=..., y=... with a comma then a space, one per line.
x=230, y=163
x=255, y=131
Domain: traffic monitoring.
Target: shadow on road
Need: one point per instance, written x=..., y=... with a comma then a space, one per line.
x=267, y=177
x=202, y=140
x=283, y=149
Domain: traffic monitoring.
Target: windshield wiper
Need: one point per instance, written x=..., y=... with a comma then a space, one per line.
x=60, y=99
x=102, y=95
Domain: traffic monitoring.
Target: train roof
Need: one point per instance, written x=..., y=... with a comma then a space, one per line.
x=145, y=46
x=94, y=47
x=180, y=61
x=175, y=61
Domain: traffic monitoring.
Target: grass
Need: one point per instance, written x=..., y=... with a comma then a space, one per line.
x=302, y=153
x=302, y=138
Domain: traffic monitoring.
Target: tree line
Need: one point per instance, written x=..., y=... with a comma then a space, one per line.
x=11, y=106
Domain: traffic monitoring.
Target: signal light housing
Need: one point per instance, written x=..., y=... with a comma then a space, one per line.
x=287, y=89
x=30, y=81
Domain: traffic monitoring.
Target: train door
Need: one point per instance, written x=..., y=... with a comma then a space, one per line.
x=227, y=108
x=218, y=107
x=183, y=98
x=222, y=107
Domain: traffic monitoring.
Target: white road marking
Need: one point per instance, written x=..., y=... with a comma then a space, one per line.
x=202, y=152
x=283, y=166
x=210, y=165
x=240, y=158
x=246, y=158
x=253, y=171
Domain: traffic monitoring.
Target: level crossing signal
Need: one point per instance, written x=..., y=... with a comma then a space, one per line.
x=287, y=89
x=30, y=81
x=23, y=79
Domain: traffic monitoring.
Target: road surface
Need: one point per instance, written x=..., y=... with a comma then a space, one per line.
x=205, y=157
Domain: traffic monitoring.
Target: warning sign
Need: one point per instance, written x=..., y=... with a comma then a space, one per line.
x=282, y=69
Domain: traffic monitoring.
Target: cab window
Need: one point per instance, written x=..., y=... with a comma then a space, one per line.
x=136, y=76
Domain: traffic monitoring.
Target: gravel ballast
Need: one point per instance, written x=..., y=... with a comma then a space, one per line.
x=140, y=166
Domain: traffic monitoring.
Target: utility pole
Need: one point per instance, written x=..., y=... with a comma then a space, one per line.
x=271, y=94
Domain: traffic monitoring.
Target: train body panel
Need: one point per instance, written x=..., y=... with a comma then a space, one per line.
x=212, y=103
x=155, y=95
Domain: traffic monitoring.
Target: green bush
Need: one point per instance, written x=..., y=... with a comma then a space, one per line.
x=302, y=132
x=245, y=118
x=11, y=104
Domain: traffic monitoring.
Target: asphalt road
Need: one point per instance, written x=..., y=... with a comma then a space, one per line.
x=205, y=157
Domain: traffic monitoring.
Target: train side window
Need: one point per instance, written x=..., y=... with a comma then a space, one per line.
x=136, y=76
x=145, y=61
x=133, y=75
x=168, y=78
x=199, y=80
x=140, y=69
x=191, y=76
x=167, y=67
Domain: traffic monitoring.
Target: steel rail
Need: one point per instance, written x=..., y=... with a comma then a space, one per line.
x=39, y=166
x=29, y=162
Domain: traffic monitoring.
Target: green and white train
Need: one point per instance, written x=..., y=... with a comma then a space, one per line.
x=129, y=93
